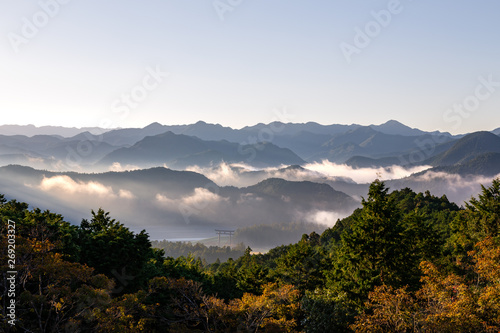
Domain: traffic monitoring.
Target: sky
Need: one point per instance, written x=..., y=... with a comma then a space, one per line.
x=434, y=65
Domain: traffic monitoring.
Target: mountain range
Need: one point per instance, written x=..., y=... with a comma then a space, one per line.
x=261, y=145
x=170, y=203
x=185, y=180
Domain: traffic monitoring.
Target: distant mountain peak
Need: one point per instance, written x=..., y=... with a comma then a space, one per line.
x=395, y=127
x=394, y=122
x=293, y=167
x=153, y=125
x=469, y=147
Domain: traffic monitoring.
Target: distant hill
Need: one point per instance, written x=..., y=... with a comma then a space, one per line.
x=420, y=155
x=301, y=192
x=31, y=130
x=181, y=151
x=83, y=149
x=202, y=130
x=303, y=143
x=204, y=144
x=468, y=148
x=305, y=139
x=280, y=128
x=170, y=203
x=367, y=142
x=487, y=164
x=159, y=178
x=394, y=127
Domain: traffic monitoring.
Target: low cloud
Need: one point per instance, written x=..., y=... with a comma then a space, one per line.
x=199, y=198
x=242, y=175
x=456, y=180
x=117, y=167
x=457, y=188
x=69, y=186
x=325, y=218
x=66, y=186
x=126, y=194
x=223, y=175
x=201, y=203
x=202, y=197
x=362, y=175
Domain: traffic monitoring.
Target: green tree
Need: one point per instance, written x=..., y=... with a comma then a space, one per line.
x=479, y=220
x=375, y=250
x=114, y=250
x=327, y=311
x=251, y=275
x=303, y=264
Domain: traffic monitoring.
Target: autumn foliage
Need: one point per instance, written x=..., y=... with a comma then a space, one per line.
x=404, y=262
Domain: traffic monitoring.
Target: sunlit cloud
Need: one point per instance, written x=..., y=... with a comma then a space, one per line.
x=117, y=167
x=363, y=175
x=200, y=199
x=68, y=188
x=223, y=174
x=325, y=218
x=125, y=194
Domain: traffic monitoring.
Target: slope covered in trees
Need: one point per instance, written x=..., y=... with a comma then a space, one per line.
x=404, y=262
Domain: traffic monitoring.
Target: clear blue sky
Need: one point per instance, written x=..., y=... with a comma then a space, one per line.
x=79, y=62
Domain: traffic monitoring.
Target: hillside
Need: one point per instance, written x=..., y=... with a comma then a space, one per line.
x=418, y=240
x=487, y=164
x=467, y=148
x=176, y=204
x=301, y=192
x=180, y=151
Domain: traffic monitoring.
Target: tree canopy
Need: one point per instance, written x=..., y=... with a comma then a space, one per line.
x=403, y=262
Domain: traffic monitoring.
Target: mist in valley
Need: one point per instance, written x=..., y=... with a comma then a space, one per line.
x=191, y=204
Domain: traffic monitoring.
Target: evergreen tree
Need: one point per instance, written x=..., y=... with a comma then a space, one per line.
x=479, y=220
x=114, y=250
x=374, y=251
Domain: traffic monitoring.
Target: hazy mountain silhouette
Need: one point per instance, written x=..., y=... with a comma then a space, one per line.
x=79, y=150
x=487, y=164
x=181, y=150
x=394, y=127
x=468, y=148
x=300, y=192
x=202, y=144
x=170, y=202
x=31, y=130
x=367, y=142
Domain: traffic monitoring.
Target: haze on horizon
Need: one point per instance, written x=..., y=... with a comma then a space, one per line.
x=429, y=65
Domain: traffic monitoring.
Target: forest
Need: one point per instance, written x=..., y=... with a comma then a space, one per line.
x=403, y=262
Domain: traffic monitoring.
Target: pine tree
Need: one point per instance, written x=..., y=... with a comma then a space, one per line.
x=374, y=251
